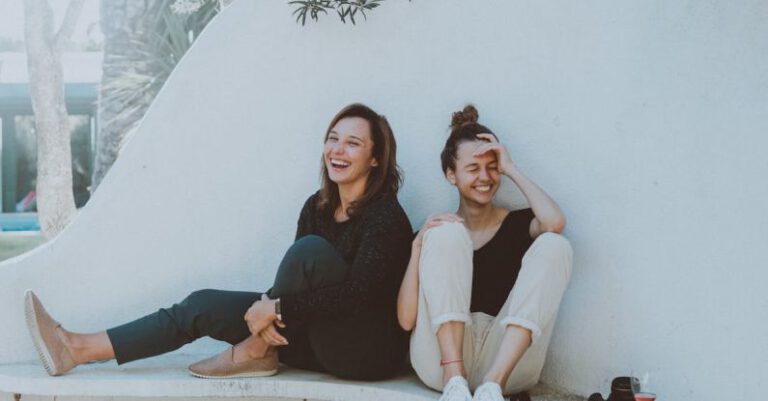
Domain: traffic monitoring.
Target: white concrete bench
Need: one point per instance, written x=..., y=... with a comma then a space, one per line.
x=166, y=377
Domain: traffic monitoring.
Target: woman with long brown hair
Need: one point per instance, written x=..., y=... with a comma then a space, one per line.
x=331, y=307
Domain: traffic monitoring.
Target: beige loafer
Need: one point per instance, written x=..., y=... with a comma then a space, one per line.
x=43, y=329
x=223, y=366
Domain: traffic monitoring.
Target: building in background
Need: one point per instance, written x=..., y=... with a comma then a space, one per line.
x=18, y=157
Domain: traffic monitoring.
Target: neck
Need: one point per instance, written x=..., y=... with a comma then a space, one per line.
x=476, y=216
x=349, y=193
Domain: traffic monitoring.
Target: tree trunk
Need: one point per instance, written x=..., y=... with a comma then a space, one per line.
x=127, y=25
x=55, y=200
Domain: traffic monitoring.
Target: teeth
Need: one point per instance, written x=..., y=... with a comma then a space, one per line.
x=483, y=188
x=339, y=163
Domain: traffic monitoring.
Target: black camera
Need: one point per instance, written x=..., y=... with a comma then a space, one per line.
x=622, y=389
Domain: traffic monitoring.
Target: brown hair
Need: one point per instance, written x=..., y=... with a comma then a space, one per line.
x=385, y=178
x=464, y=128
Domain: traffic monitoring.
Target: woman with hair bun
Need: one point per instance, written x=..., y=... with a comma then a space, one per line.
x=484, y=284
x=331, y=305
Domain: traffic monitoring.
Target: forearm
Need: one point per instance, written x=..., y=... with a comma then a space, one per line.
x=260, y=314
x=547, y=212
x=407, y=298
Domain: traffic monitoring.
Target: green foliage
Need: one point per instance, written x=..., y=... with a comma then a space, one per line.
x=346, y=9
x=146, y=67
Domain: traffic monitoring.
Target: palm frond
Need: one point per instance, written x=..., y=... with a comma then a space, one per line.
x=145, y=68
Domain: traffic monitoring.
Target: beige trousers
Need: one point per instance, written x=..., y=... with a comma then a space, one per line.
x=445, y=287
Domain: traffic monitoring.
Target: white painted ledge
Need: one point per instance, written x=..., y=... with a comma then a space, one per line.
x=166, y=377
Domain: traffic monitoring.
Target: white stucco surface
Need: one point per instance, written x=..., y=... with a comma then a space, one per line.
x=166, y=377
x=645, y=120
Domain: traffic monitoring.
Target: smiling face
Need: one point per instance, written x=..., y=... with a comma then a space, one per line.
x=476, y=177
x=348, y=152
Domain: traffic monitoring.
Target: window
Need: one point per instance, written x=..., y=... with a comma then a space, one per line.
x=25, y=166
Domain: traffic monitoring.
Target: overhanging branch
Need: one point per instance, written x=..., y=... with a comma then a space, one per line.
x=69, y=22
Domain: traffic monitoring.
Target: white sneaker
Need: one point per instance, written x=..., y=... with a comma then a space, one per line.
x=457, y=389
x=488, y=392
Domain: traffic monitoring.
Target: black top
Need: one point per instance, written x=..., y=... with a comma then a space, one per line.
x=497, y=263
x=376, y=243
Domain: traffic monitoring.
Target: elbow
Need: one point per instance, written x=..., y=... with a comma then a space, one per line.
x=406, y=324
x=556, y=226
x=406, y=320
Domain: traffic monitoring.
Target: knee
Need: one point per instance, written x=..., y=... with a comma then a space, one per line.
x=309, y=245
x=306, y=248
x=446, y=254
x=198, y=300
x=556, y=250
x=310, y=262
x=447, y=236
x=555, y=243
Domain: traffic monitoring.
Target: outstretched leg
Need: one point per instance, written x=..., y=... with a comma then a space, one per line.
x=218, y=314
x=214, y=313
x=311, y=262
x=90, y=347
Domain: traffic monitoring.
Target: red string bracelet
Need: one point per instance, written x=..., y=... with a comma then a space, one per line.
x=443, y=363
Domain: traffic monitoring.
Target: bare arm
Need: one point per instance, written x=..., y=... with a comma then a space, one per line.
x=408, y=297
x=548, y=216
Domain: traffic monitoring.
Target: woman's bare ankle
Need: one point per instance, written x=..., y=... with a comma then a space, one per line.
x=74, y=346
x=495, y=377
x=258, y=352
x=451, y=370
x=251, y=348
x=86, y=348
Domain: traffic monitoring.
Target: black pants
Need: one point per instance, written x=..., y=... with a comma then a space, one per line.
x=358, y=347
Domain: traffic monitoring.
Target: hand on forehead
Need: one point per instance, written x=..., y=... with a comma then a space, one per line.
x=466, y=150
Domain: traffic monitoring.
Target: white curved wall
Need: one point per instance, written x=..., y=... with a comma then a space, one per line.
x=643, y=119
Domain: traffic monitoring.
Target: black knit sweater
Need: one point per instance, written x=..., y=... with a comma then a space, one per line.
x=376, y=244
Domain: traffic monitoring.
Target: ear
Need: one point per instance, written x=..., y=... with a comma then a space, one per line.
x=374, y=163
x=450, y=176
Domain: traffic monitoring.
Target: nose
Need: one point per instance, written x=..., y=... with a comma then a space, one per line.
x=484, y=174
x=336, y=148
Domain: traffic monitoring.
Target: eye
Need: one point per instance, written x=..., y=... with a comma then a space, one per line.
x=494, y=168
x=354, y=144
x=332, y=138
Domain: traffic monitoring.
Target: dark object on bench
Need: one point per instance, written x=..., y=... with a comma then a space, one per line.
x=521, y=396
x=622, y=389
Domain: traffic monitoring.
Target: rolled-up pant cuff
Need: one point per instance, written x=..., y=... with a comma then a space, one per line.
x=524, y=323
x=450, y=317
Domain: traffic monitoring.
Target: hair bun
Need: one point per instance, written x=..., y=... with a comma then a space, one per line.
x=467, y=116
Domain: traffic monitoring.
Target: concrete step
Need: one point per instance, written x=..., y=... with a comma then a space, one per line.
x=166, y=377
